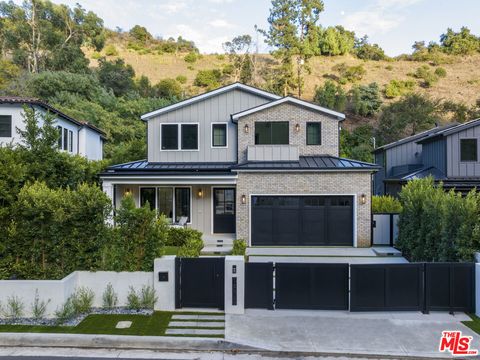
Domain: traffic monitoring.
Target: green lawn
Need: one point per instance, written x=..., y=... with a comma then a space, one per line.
x=474, y=324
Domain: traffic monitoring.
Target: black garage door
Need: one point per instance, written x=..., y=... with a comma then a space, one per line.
x=302, y=220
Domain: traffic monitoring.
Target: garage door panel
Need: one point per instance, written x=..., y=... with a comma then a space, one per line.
x=302, y=220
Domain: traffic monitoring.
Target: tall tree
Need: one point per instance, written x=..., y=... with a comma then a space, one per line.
x=293, y=32
x=238, y=52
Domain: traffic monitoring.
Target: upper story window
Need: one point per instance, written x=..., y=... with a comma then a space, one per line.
x=65, y=139
x=314, y=133
x=5, y=126
x=468, y=150
x=219, y=135
x=271, y=133
x=179, y=136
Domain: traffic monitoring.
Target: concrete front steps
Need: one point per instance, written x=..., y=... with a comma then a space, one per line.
x=217, y=245
x=196, y=325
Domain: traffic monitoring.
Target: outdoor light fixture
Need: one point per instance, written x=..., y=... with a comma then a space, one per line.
x=127, y=192
x=363, y=199
x=200, y=193
x=247, y=129
x=244, y=199
x=297, y=127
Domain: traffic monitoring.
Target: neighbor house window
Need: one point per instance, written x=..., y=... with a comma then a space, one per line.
x=169, y=137
x=70, y=140
x=60, y=136
x=5, y=126
x=271, y=133
x=189, y=137
x=65, y=139
x=147, y=195
x=314, y=134
x=468, y=150
x=219, y=135
x=174, y=202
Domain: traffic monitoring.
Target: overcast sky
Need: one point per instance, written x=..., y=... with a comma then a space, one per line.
x=394, y=24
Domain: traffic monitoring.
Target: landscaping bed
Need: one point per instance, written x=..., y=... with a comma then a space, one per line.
x=474, y=324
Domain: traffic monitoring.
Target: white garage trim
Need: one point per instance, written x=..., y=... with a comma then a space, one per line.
x=354, y=212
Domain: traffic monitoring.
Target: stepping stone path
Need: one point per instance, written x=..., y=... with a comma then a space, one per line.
x=123, y=325
x=196, y=325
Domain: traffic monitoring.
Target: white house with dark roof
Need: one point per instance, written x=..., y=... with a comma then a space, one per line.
x=75, y=137
x=242, y=163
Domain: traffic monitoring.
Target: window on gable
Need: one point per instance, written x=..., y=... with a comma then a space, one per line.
x=219, y=135
x=468, y=150
x=65, y=139
x=314, y=134
x=271, y=133
x=70, y=140
x=5, y=126
x=169, y=137
x=60, y=137
x=189, y=136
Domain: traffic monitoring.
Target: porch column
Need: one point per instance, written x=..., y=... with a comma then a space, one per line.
x=108, y=189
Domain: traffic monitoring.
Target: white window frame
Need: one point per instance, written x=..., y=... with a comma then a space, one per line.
x=179, y=134
x=226, y=135
x=173, y=205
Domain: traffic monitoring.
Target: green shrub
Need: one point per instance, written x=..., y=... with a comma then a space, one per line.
x=96, y=55
x=111, y=50
x=39, y=307
x=133, y=300
x=350, y=73
x=366, y=51
x=190, y=67
x=65, y=312
x=331, y=96
x=14, y=308
x=440, y=72
x=389, y=67
x=182, y=79
x=239, y=247
x=191, y=57
x=82, y=300
x=385, y=204
x=397, y=88
x=221, y=57
x=148, y=297
x=109, y=297
x=192, y=245
x=427, y=75
x=365, y=100
x=168, y=88
x=208, y=78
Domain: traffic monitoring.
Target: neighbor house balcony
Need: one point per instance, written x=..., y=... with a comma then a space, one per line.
x=272, y=153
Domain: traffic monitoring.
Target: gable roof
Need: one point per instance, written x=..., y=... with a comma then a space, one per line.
x=415, y=137
x=289, y=99
x=34, y=101
x=209, y=94
x=452, y=130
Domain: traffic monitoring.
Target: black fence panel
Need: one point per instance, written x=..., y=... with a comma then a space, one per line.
x=311, y=286
x=387, y=287
x=259, y=285
x=450, y=287
x=200, y=282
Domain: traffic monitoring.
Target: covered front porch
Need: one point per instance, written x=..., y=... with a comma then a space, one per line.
x=197, y=196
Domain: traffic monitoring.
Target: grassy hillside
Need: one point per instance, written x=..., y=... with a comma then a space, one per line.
x=462, y=83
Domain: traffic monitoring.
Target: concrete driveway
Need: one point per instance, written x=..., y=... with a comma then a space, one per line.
x=340, y=332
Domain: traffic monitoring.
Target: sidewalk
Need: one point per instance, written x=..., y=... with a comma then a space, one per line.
x=333, y=332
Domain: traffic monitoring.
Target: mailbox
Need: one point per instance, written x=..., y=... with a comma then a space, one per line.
x=163, y=276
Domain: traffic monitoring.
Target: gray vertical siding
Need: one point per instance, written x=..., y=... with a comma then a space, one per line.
x=456, y=168
x=434, y=154
x=408, y=153
x=215, y=109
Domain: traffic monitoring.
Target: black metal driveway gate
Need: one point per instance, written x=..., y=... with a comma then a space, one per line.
x=200, y=282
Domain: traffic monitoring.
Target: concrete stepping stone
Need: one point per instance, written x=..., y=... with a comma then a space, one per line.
x=123, y=325
x=198, y=317
x=203, y=324
x=195, y=332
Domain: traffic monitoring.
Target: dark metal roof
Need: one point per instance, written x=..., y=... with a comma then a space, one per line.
x=422, y=173
x=451, y=130
x=322, y=162
x=416, y=137
x=46, y=106
x=143, y=167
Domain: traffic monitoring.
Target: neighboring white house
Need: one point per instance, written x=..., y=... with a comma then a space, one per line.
x=76, y=137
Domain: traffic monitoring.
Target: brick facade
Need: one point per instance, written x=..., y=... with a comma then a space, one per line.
x=294, y=114
x=318, y=183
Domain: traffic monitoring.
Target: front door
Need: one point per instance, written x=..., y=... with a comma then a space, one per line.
x=224, y=211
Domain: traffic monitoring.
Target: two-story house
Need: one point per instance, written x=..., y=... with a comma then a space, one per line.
x=448, y=153
x=75, y=137
x=239, y=162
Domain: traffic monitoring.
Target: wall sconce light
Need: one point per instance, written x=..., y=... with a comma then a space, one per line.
x=200, y=193
x=244, y=199
x=363, y=199
x=127, y=192
x=246, y=129
x=297, y=127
